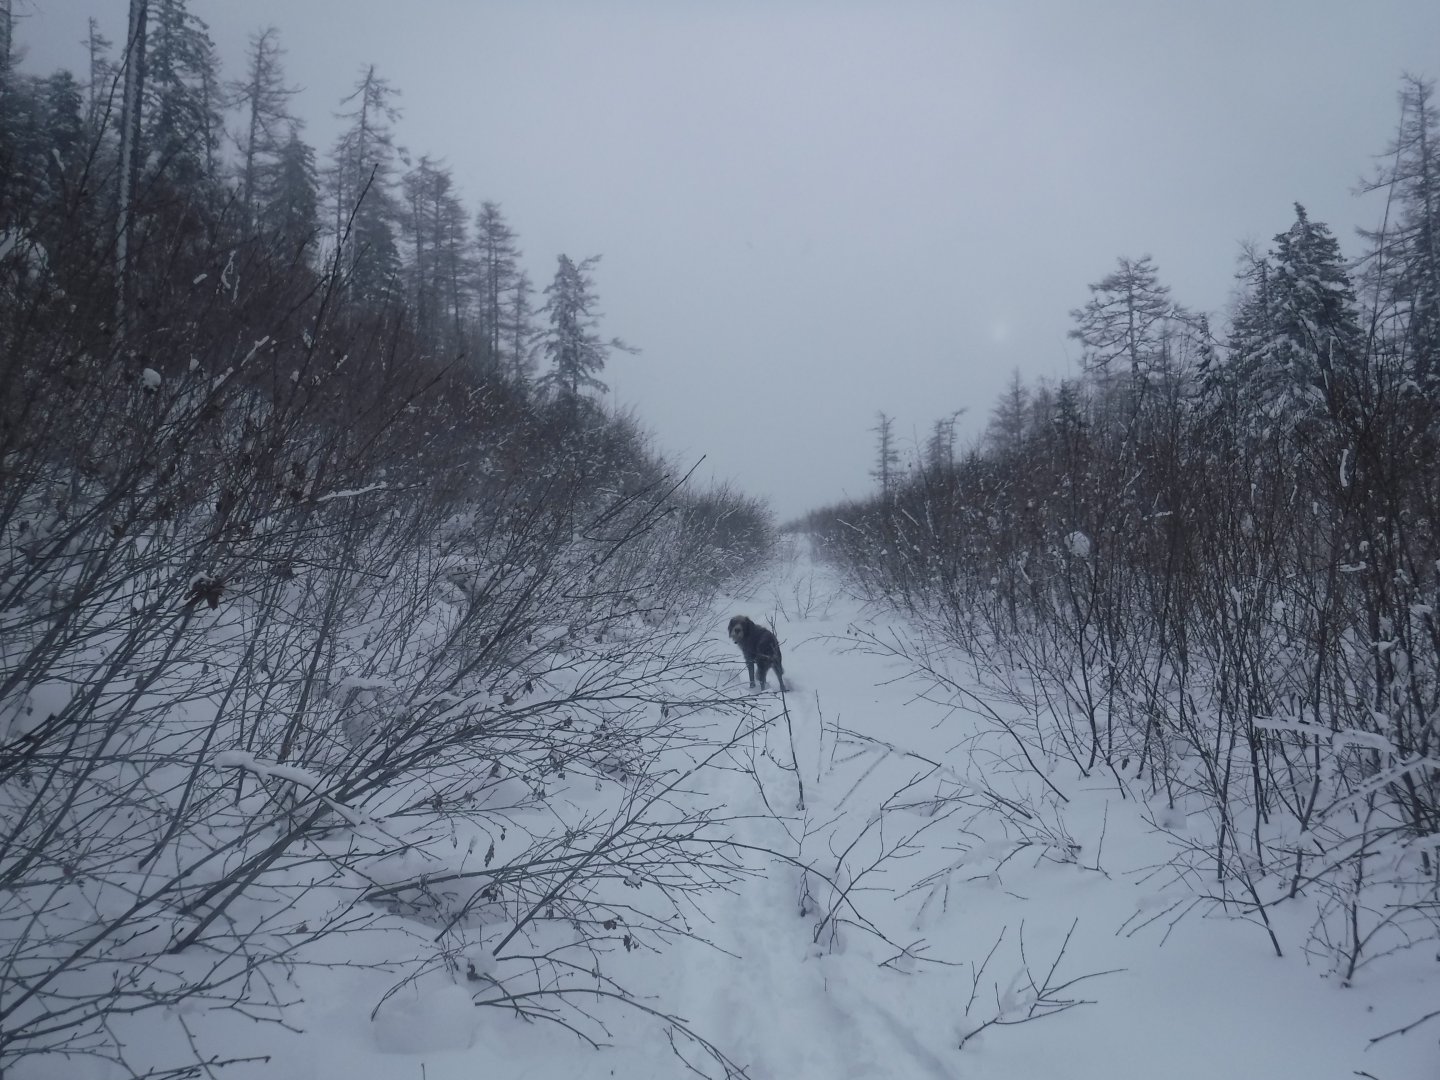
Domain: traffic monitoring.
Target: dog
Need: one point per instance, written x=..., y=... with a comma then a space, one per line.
x=760, y=647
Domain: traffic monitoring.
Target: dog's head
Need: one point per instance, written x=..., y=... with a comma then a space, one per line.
x=740, y=627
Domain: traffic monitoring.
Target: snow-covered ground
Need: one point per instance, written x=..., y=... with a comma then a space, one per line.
x=923, y=887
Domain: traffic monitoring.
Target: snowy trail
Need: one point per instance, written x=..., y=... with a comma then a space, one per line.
x=783, y=1005
x=1207, y=999
x=958, y=883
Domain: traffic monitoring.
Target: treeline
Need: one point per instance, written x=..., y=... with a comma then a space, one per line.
x=317, y=548
x=1209, y=563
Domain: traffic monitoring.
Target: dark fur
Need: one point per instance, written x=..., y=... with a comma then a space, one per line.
x=761, y=649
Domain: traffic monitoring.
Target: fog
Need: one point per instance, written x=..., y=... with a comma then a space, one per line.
x=812, y=211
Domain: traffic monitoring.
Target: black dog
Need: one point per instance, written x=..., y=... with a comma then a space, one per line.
x=761, y=648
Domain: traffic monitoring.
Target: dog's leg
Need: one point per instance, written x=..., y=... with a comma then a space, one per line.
x=763, y=666
x=750, y=670
x=780, y=676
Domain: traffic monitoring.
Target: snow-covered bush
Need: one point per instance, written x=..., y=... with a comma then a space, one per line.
x=1226, y=614
x=286, y=654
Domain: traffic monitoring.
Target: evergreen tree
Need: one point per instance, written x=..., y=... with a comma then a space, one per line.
x=1068, y=420
x=362, y=188
x=574, y=348
x=1007, y=419
x=21, y=155
x=1251, y=329
x=520, y=330
x=62, y=105
x=887, y=455
x=1296, y=344
x=287, y=205
x=181, y=112
x=1314, y=303
x=1316, y=333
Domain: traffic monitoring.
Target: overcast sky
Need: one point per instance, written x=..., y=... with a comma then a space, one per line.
x=811, y=210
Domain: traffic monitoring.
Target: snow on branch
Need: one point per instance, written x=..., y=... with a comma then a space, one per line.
x=242, y=759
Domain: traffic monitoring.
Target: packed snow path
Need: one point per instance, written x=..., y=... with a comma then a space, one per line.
x=1202, y=998
x=947, y=889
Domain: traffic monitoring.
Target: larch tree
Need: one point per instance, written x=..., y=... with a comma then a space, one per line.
x=887, y=455
x=454, y=270
x=102, y=75
x=1127, y=321
x=1403, y=266
x=497, y=271
x=940, y=446
x=436, y=223
x=520, y=332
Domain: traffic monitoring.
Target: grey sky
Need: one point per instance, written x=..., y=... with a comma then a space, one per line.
x=810, y=211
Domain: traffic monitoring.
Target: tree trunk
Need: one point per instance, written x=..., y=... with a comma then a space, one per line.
x=134, y=62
